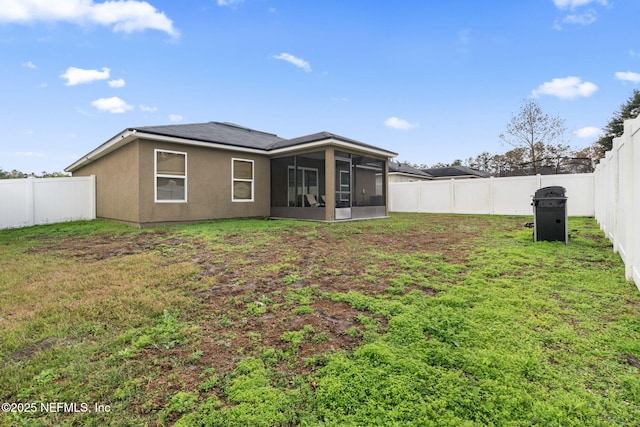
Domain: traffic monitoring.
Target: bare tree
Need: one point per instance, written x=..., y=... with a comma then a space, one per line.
x=538, y=134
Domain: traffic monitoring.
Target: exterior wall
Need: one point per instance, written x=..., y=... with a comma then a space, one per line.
x=209, y=186
x=117, y=184
x=33, y=201
x=396, y=177
x=125, y=184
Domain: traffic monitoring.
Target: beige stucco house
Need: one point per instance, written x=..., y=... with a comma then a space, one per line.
x=196, y=172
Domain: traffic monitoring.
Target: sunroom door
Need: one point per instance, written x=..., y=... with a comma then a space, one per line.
x=302, y=181
x=343, y=188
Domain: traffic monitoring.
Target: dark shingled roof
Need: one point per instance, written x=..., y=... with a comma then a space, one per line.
x=227, y=134
x=239, y=136
x=409, y=170
x=215, y=132
x=453, y=171
x=320, y=136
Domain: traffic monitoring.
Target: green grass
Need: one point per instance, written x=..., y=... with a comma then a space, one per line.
x=425, y=320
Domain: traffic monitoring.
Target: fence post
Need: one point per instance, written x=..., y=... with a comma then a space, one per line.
x=92, y=197
x=492, y=207
x=30, y=182
x=452, y=195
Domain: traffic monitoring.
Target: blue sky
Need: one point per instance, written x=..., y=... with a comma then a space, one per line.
x=433, y=81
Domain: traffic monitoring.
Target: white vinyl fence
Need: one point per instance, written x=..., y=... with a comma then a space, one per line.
x=617, y=197
x=494, y=196
x=32, y=201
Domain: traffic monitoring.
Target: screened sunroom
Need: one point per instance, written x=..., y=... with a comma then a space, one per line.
x=329, y=184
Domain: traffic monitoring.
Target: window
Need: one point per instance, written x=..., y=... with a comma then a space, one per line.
x=242, y=180
x=170, y=176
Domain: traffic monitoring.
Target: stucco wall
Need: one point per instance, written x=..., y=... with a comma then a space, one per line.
x=117, y=184
x=209, y=186
x=125, y=185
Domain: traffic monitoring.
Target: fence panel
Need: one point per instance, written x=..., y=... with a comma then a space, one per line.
x=513, y=196
x=15, y=203
x=633, y=271
x=580, y=191
x=617, y=197
x=33, y=201
x=472, y=196
x=435, y=196
x=500, y=196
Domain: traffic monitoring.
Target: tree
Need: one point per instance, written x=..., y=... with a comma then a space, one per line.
x=538, y=134
x=615, y=128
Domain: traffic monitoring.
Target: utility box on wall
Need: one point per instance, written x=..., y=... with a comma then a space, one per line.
x=550, y=215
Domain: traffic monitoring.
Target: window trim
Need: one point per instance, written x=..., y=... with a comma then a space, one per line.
x=156, y=175
x=234, y=180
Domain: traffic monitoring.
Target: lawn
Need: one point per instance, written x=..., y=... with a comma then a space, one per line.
x=415, y=320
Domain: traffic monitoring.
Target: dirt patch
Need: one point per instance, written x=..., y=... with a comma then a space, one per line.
x=631, y=360
x=104, y=246
x=28, y=352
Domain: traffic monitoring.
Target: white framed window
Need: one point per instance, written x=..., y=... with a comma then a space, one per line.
x=170, y=175
x=242, y=179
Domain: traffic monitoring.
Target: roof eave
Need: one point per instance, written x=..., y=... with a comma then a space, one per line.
x=336, y=142
x=411, y=175
x=112, y=144
x=129, y=135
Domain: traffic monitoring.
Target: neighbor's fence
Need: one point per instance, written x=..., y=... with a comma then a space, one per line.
x=32, y=201
x=494, y=196
x=617, y=197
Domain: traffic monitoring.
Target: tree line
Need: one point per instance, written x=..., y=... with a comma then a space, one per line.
x=539, y=144
x=17, y=174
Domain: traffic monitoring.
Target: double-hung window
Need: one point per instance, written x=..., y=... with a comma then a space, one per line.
x=242, y=180
x=170, y=176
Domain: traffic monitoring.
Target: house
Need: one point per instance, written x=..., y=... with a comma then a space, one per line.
x=456, y=172
x=196, y=172
x=399, y=172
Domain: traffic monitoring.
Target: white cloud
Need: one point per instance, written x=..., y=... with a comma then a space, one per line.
x=579, y=18
x=628, y=76
x=588, y=132
x=565, y=88
x=76, y=76
x=586, y=18
x=125, y=16
x=572, y=4
x=112, y=105
x=400, y=124
x=117, y=83
x=229, y=2
x=298, y=62
x=175, y=118
x=148, y=109
x=634, y=54
x=29, y=64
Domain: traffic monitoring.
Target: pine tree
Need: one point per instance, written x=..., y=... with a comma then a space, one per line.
x=615, y=128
